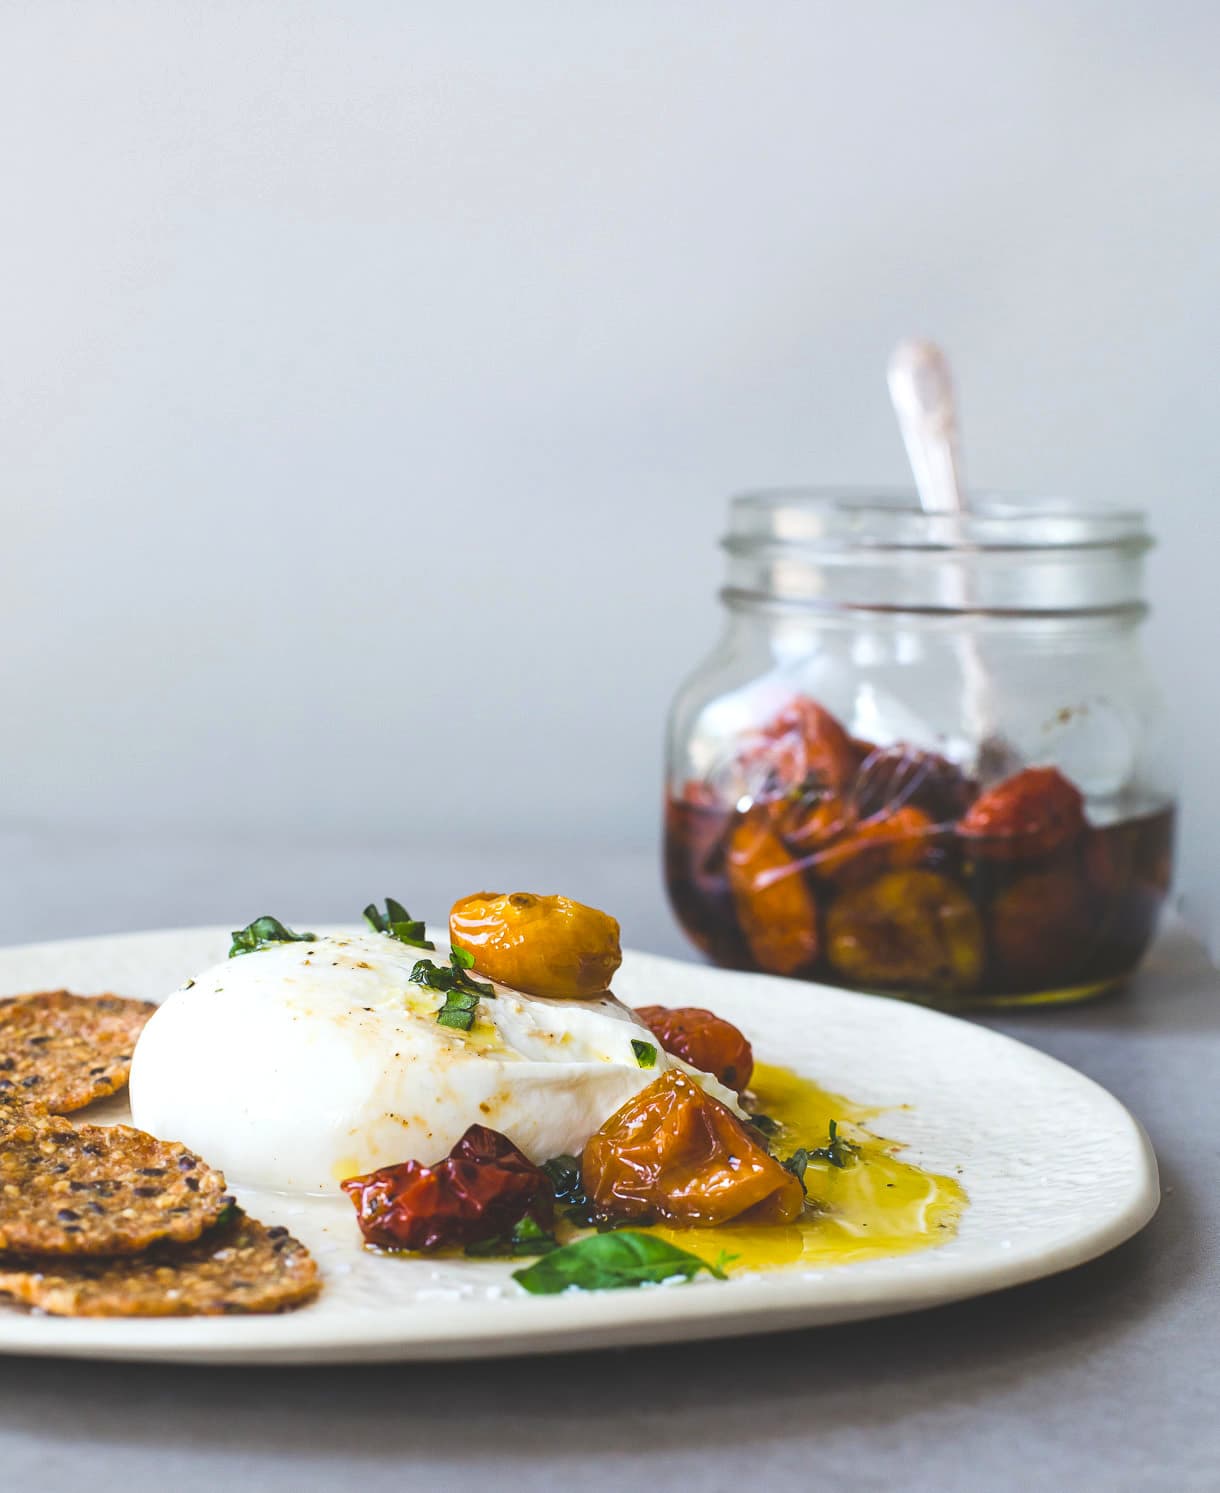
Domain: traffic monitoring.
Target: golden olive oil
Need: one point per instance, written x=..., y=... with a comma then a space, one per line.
x=875, y=1205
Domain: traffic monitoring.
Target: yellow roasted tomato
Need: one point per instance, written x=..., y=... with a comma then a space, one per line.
x=548, y=946
x=911, y=929
x=676, y=1154
x=775, y=907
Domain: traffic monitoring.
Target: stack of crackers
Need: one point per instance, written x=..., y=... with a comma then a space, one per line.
x=104, y=1220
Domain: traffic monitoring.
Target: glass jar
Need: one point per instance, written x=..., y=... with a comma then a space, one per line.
x=927, y=756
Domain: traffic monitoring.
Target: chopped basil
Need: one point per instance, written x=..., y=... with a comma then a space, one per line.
x=458, y=1010
x=563, y=1173
x=262, y=933
x=838, y=1152
x=797, y=1164
x=397, y=922
x=460, y=958
x=645, y=1053
x=611, y=1262
x=569, y=1190
x=448, y=977
x=527, y=1238
x=765, y=1123
x=462, y=994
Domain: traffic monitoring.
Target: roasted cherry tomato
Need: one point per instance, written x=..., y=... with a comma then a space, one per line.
x=703, y=1040
x=803, y=743
x=1111, y=858
x=900, y=840
x=674, y=1153
x=775, y=907
x=911, y=930
x=1033, y=814
x=548, y=946
x=812, y=818
x=481, y=1189
x=892, y=777
x=698, y=793
x=863, y=749
x=1042, y=927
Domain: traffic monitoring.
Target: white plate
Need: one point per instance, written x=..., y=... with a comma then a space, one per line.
x=1056, y=1170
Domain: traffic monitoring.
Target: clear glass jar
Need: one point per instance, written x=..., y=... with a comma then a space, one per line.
x=927, y=756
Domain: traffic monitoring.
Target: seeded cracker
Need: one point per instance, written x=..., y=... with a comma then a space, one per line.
x=240, y=1267
x=97, y=1189
x=66, y=1050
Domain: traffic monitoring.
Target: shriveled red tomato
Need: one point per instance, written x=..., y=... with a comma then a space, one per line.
x=1032, y=814
x=676, y=1154
x=481, y=1189
x=702, y=1039
x=801, y=743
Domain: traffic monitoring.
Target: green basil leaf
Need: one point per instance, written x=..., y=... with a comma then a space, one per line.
x=449, y=977
x=397, y=922
x=461, y=958
x=459, y=1009
x=645, y=1053
x=563, y=1173
x=838, y=1152
x=611, y=1262
x=797, y=1164
x=527, y=1238
x=262, y=933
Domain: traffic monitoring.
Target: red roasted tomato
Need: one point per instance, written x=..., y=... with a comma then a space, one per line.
x=479, y=1191
x=801, y=743
x=1032, y=814
x=703, y=1040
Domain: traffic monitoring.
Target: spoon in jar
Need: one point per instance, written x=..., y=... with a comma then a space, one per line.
x=921, y=389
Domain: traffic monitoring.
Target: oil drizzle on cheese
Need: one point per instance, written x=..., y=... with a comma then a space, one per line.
x=877, y=1205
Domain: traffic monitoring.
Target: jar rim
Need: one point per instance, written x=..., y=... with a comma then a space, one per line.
x=829, y=520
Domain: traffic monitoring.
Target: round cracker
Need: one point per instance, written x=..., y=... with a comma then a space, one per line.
x=66, y=1050
x=241, y=1267
x=98, y=1189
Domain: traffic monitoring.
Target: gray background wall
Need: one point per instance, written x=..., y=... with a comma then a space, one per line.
x=374, y=373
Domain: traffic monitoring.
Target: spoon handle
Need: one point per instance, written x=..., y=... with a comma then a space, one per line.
x=921, y=388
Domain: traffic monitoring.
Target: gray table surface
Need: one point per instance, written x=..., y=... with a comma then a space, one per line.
x=1105, y=1378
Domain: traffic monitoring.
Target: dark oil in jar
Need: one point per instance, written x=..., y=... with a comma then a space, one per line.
x=929, y=916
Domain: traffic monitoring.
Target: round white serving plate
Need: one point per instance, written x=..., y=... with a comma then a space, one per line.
x=1057, y=1173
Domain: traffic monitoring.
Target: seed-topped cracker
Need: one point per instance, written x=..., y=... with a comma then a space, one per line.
x=97, y=1189
x=66, y=1050
x=243, y=1266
